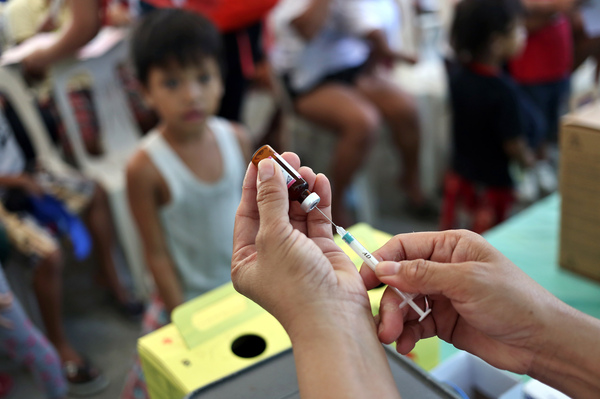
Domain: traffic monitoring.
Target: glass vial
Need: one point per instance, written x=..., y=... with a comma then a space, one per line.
x=297, y=186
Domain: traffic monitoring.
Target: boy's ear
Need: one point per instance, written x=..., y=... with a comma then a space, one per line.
x=146, y=96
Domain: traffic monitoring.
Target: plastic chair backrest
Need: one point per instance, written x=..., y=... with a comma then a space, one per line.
x=118, y=130
x=15, y=89
x=408, y=26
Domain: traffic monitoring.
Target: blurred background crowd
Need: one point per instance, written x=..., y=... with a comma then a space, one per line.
x=125, y=129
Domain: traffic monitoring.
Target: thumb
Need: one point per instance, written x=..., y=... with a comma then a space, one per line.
x=422, y=276
x=272, y=194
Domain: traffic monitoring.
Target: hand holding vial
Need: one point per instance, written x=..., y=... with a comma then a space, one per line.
x=285, y=259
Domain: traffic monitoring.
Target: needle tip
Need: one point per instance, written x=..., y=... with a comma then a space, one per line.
x=326, y=217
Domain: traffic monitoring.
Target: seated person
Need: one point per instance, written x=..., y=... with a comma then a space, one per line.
x=323, y=56
x=33, y=241
x=489, y=128
x=185, y=181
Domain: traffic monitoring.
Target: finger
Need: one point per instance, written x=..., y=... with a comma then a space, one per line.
x=293, y=159
x=318, y=225
x=426, y=277
x=369, y=277
x=247, y=217
x=272, y=197
x=392, y=317
x=297, y=215
x=436, y=246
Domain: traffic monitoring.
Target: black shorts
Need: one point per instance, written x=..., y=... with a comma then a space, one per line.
x=346, y=76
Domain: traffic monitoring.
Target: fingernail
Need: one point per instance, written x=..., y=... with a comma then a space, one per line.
x=266, y=169
x=388, y=268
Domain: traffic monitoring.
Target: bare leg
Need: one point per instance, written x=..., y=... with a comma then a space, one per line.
x=99, y=220
x=344, y=111
x=400, y=112
x=47, y=283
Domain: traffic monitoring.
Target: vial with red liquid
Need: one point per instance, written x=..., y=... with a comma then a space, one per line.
x=297, y=186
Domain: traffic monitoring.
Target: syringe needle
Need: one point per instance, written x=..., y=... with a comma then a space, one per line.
x=330, y=221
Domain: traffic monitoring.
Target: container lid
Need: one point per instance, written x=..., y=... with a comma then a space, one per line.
x=310, y=202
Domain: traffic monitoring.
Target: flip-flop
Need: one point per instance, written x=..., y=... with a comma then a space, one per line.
x=84, y=379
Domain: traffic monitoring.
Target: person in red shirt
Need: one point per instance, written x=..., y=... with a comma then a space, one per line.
x=543, y=70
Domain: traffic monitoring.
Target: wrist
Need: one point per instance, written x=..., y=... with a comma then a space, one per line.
x=326, y=318
x=567, y=354
x=338, y=354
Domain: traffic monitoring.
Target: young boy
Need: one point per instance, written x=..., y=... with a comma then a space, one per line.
x=184, y=183
x=489, y=117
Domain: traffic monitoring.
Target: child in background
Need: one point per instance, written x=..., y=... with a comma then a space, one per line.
x=489, y=119
x=184, y=183
x=543, y=70
x=322, y=52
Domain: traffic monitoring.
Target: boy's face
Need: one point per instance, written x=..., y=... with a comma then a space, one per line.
x=184, y=97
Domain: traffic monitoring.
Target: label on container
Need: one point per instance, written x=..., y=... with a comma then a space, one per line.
x=289, y=179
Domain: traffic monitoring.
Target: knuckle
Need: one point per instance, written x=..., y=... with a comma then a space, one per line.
x=419, y=270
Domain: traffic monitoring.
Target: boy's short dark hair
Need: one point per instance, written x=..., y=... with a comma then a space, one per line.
x=173, y=35
x=476, y=21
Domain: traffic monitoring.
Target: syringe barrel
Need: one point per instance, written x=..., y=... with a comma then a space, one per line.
x=363, y=253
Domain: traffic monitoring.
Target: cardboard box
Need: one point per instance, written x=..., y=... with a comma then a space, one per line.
x=222, y=333
x=477, y=379
x=580, y=191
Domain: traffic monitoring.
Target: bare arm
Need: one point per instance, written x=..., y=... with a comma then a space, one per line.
x=518, y=150
x=85, y=24
x=142, y=192
x=568, y=358
x=295, y=271
x=243, y=138
x=380, y=48
x=22, y=181
x=312, y=20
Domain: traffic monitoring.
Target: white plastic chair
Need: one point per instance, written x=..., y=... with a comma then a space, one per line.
x=15, y=89
x=17, y=93
x=427, y=83
x=119, y=135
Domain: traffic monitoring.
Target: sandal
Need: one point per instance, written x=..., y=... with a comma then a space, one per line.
x=84, y=379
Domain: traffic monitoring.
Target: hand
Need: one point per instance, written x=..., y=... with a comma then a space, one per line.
x=35, y=65
x=286, y=260
x=48, y=24
x=30, y=186
x=406, y=57
x=481, y=302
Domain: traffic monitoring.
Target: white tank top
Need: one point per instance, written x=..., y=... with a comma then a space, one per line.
x=198, y=221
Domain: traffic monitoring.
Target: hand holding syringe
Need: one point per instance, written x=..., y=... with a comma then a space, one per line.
x=371, y=261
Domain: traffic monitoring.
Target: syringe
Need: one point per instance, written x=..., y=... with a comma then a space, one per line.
x=372, y=262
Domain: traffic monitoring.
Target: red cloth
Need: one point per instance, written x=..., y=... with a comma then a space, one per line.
x=227, y=15
x=548, y=55
x=486, y=207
